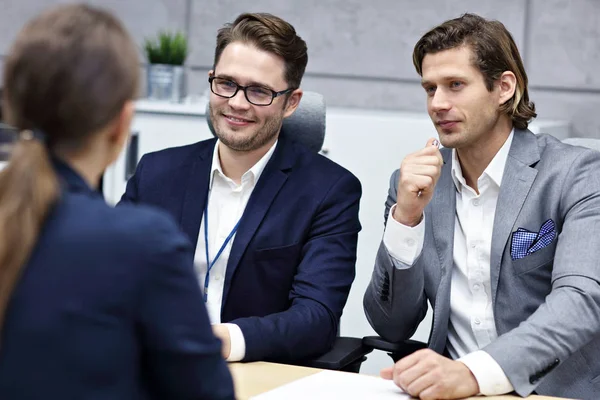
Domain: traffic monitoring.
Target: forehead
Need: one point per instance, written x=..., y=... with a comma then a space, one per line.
x=457, y=62
x=248, y=64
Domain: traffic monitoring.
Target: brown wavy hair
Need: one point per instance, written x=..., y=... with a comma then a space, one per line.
x=494, y=52
x=271, y=34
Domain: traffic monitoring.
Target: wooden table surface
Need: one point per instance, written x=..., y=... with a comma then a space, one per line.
x=252, y=379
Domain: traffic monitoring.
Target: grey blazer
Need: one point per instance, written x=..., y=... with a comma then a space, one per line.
x=546, y=304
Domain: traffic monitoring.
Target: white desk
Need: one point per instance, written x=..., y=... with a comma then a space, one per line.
x=252, y=379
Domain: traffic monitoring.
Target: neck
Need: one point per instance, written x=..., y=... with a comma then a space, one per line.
x=475, y=158
x=236, y=163
x=87, y=165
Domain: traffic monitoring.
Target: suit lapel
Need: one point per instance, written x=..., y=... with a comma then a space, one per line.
x=270, y=182
x=196, y=192
x=443, y=215
x=516, y=182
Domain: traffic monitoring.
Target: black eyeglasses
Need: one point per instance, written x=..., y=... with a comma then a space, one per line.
x=257, y=95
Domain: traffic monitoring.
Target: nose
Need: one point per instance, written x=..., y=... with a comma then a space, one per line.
x=239, y=101
x=439, y=101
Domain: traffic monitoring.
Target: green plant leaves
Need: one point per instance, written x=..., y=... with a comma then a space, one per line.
x=166, y=48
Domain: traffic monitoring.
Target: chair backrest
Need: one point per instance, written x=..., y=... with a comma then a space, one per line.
x=306, y=125
x=584, y=142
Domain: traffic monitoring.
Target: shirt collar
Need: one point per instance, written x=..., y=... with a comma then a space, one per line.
x=252, y=174
x=494, y=171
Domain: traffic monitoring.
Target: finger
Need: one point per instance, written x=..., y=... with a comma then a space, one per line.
x=424, y=385
x=406, y=379
x=424, y=159
x=416, y=380
x=408, y=362
x=432, y=142
x=427, y=151
x=387, y=373
x=419, y=183
x=434, y=392
x=421, y=170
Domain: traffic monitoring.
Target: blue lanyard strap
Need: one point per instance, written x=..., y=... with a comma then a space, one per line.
x=209, y=264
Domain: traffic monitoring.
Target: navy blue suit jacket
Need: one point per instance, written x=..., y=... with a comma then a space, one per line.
x=293, y=258
x=108, y=307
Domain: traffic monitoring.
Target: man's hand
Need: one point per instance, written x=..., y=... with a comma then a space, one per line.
x=222, y=333
x=419, y=174
x=428, y=375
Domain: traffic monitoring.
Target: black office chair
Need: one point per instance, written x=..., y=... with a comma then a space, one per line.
x=307, y=126
x=395, y=350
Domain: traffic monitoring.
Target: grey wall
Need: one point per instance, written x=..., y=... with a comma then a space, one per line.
x=360, y=52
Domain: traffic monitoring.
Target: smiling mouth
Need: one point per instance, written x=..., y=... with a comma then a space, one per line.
x=237, y=118
x=237, y=121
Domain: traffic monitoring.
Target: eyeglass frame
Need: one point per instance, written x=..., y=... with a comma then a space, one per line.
x=274, y=94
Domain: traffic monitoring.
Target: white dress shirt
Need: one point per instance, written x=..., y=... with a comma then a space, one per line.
x=471, y=326
x=226, y=204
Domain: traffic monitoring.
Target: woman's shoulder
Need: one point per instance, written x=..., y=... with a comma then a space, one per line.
x=128, y=227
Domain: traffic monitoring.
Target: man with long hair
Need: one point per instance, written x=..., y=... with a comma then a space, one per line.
x=498, y=231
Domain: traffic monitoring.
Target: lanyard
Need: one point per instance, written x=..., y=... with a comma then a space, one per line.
x=209, y=264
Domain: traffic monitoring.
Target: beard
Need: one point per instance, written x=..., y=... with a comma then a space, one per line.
x=247, y=138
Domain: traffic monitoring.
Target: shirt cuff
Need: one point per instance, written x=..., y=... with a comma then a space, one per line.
x=489, y=375
x=237, y=343
x=403, y=243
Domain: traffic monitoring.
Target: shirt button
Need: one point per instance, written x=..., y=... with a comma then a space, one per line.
x=476, y=287
x=475, y=202
x=473, y=245
x=217, y=277
x=410, y=242
x=477, y=321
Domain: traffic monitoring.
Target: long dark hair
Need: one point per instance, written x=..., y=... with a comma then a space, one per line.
x=69, y=73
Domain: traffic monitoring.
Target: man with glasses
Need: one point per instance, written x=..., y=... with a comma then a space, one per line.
x=275, y=224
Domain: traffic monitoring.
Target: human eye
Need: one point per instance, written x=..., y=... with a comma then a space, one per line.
x=259, y=92
x=430, y=90
x=225, y=83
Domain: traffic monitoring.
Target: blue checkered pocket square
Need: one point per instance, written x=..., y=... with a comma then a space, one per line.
x=525, y=242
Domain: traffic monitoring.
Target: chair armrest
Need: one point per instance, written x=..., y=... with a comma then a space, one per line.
x=345, y=352
x=397, y=350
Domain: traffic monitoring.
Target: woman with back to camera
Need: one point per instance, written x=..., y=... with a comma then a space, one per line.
x=95, y=302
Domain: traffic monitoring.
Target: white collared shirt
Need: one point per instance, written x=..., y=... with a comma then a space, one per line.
x=471, y=326
x=226, y=204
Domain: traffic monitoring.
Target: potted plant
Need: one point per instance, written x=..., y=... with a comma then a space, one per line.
x=166, y=54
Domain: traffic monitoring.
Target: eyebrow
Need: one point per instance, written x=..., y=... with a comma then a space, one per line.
x=445, y=79
x=251, y=83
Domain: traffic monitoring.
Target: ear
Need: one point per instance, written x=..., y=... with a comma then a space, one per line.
x=119, y=133
x=507, y=84
x=292, y=102
x=211, y=73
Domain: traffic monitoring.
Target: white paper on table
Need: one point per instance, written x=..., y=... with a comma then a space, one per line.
x=333, y=385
